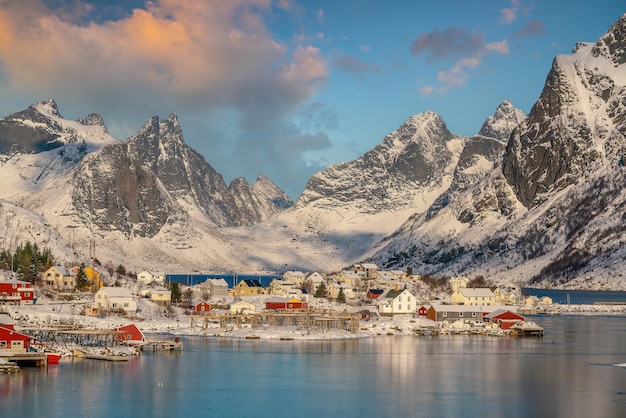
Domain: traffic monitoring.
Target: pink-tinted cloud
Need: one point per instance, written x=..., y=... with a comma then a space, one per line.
x=509, y=15
x=196, y=52
x=465, y=48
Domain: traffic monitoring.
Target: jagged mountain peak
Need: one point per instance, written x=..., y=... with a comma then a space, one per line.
x=48, y=107
x=92, y=119
x=577, y=125
x=503, y=121
x=416, y=158
x=613, y=44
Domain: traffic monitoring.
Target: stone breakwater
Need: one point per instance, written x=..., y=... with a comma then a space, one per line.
x=605, y=308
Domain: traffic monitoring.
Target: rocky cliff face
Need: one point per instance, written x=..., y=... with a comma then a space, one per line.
x=411, y=161
x=576, y=126
x=135, y=187
x=481, y=154
x=138, y=185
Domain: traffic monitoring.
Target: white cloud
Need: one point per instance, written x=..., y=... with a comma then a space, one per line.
x=193, y=57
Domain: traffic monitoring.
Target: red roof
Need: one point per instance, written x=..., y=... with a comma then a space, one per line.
x=130, y=333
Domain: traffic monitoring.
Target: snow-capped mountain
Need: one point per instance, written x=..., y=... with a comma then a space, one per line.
x=481, y=153
x=136, y=186
x=554, y=212
x=535, y=198
x=78, y=178
x=346, y=209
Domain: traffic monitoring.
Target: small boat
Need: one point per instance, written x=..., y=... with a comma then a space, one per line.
x=53, y=358
x=107, y=357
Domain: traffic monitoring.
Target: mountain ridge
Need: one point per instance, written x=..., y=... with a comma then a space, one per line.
x=531, y=198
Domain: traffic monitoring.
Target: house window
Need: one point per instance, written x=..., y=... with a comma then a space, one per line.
x=3, y=344
x=26, y=294
x=460, y=313
x=474, y=314
x=126, y=305
x=444, y=314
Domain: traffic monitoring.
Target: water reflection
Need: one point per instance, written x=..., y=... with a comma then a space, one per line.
x=569, y=372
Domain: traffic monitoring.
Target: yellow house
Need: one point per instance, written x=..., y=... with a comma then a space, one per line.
x=161, y=296
x=248, y=287
x=92, y=275
x=480, y=296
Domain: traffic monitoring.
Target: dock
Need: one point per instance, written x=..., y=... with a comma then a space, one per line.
x=161, y=345
x=25, y=359
x=8, y=367
x=529, y=329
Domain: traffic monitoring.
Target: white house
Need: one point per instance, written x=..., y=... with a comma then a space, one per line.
x=158, y=278
x=216, y=287
x=145, y=278
x=115, y=299
x=279, y=287
x=242, y=306
x=313, y=282
x=397, y=302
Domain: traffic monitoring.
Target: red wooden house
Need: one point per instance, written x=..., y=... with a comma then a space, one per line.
x=16, y=292
x=374, y=293
x=13, y=341
x=283, y=303
x=129, y=333
x=422, y=311
x=504, y=318
x=199, y=306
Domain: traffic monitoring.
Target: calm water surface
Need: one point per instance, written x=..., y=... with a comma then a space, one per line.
x=571, y=372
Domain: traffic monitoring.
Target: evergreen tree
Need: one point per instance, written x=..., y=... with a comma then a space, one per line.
x=341, y=296
x=176, y=293
x=321, y=292
x=82, y=283
x=121, y=271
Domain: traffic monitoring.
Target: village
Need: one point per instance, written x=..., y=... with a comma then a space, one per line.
x=81, y=312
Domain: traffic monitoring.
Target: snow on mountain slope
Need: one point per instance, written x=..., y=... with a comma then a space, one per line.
x=555, y=213
x=347, y=208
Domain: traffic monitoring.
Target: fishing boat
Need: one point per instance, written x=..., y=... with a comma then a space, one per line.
x=52, y=358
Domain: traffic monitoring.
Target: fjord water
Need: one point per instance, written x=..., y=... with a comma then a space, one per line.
x=573, y=371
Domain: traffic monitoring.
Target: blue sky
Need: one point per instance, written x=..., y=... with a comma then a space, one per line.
x=286, y=87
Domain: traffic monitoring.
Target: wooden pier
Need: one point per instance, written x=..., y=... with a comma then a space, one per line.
x=25, y=359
